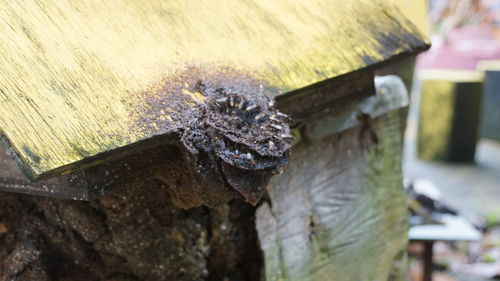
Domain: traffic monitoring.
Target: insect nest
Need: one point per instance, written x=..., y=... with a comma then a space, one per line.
x=242, y=131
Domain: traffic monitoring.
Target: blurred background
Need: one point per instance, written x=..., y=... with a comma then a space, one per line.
x=452, y=150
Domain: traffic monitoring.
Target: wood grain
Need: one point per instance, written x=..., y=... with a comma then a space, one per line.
x=74, y=73
x=338, y=212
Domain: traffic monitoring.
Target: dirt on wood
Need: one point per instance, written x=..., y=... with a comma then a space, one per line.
x=226, y=120
x=184, y=219
x=128, y=235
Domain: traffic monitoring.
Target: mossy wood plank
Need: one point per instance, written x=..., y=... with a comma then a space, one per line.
x=75, y=76
x=338, y=212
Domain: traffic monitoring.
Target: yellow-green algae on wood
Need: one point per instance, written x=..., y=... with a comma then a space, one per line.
x=72, y=72
x=417, y=11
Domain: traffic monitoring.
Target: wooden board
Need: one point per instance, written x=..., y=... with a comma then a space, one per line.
x=338, y=212
x=75, y=76
x=92, y=182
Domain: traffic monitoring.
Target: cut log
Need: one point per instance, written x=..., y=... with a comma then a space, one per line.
x=338, y=212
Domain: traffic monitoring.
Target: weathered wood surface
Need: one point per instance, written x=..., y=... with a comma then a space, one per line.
x=338, y=212
x=450, y=104
x=76, y=76
x=161, y=159
x=417, y=11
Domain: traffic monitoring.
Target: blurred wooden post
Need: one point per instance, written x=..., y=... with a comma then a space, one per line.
x=490, y=113
x=428, y=260
x=417, y=11
x=450, y=104
x=448, y=228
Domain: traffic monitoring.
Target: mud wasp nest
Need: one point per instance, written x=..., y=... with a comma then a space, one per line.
x=244, y=136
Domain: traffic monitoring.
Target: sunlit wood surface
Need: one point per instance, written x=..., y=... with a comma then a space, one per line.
x=74, y=74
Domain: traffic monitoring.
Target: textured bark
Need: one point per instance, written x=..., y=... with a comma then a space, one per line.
x=131, y=234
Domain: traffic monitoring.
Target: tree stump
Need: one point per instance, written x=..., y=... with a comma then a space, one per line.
x=338, y=212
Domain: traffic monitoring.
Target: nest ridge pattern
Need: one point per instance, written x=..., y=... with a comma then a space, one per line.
x=246, y=132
